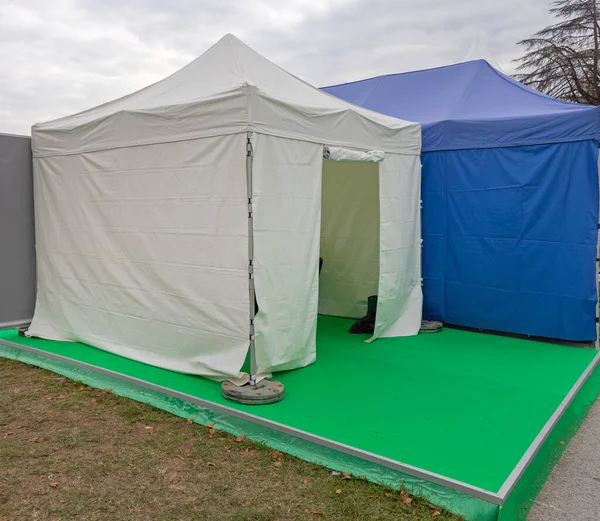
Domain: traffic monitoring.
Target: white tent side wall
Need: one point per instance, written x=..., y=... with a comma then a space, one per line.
x=287, y=216
x=400, y=297
x=143, y=251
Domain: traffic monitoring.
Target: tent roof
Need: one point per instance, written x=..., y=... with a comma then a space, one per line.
x=473, y=105
x=230, y=88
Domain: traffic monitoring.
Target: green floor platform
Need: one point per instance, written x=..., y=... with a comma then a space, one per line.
x=459, y=411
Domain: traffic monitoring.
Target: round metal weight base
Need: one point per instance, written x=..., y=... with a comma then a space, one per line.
x=264, y=392
x=431, y=326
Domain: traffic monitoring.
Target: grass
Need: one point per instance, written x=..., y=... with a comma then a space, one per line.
x=68, y=451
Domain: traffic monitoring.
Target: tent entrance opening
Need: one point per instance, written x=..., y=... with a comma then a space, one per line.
x=350, y=223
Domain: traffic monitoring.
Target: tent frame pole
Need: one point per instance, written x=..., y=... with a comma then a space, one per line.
x=251, y=288
x=267, y=390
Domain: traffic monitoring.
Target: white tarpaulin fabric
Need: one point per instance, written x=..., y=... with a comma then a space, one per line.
x=142, y=251
x=400, y=297
x=142, y=216
x=347, y=154
x=287, y=214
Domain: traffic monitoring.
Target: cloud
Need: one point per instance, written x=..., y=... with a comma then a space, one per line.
x=64, y=56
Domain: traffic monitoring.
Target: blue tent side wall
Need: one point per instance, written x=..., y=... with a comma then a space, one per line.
x=510, y=238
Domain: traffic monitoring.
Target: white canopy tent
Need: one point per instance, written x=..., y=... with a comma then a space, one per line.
x=157, y=211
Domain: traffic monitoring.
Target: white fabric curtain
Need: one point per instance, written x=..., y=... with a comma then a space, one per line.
x=400, y=298
x=287, y=214
x=348, y=154
x=143, y=251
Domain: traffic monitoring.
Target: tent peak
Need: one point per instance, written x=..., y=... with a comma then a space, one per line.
x=230, y=38
x=480, y=51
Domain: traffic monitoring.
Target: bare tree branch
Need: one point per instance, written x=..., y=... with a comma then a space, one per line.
x=562, y=60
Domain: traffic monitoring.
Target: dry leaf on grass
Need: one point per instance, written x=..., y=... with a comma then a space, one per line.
x=240, y=438
x=277, y=455
x=305, y=482
x=210, y=465
x=436, y=513
x=210, y=425
x=212, y=431
x=61, y=397
x=345, y=475
x=189, y=421
x=94, y=401
x=318, y=512
x=338, y=491
x=277, y=464
x=376, y=496
x=388, y=494
x=53, y=484
x=407, y=500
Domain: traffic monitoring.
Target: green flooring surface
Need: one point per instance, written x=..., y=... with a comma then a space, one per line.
x=461, y=404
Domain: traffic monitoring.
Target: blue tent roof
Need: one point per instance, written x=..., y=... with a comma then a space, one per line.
x=472, y=105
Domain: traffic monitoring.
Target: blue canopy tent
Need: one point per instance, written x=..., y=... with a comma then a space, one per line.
x=510, y=198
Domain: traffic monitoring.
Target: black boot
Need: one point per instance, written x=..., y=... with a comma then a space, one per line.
x=366, y=325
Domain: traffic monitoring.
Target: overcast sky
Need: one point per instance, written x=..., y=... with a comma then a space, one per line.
x=62, y=56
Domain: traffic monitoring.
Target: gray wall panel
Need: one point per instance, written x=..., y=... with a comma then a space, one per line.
x=17, y=243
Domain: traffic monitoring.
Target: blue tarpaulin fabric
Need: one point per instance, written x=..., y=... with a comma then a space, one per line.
x=472, y=105
x=509, y=238
x=510, y=198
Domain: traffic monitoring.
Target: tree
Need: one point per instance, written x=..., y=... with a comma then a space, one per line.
x=562, y=59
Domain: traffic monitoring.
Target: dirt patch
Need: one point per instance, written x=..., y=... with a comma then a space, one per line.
x=68, y=451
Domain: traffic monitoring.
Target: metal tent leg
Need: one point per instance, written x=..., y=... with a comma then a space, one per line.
x=265, y=391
